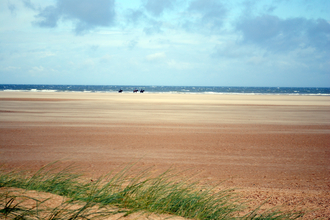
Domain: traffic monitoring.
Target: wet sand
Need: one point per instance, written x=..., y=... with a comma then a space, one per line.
x=268, y=146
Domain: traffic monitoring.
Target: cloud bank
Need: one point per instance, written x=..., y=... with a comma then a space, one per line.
x=282, y=35
x=168, y=42
x=85, y=14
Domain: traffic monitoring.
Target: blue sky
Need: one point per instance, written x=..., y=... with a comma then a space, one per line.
x=166, y=42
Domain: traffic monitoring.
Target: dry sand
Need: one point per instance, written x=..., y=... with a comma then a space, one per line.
x=268, y=146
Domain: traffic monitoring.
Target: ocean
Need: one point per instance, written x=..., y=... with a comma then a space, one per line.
x=170, y=89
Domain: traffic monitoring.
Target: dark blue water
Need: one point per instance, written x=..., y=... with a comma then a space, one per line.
x=168, y=89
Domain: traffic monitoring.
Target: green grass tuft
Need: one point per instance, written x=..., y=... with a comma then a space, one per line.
x=167, y=193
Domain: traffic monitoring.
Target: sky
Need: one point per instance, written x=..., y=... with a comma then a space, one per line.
x=277, y=43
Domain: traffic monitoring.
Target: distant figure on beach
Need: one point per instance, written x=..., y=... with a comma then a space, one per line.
x=142, y=90
x=120, y=91
x=135, y=90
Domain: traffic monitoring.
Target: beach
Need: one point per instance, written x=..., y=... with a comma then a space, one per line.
x=274, y=147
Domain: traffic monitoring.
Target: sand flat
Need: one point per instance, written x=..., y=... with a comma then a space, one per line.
x=267, y=145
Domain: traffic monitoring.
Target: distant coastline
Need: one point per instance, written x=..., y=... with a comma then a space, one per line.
x=321, y=91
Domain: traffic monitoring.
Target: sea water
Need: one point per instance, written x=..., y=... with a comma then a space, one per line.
x=170, y=89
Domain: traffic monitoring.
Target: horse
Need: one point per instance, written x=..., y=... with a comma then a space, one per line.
x=142, y=90
x=135, y=90
x=120, y=91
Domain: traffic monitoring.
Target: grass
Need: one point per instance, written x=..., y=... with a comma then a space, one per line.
x=15, y=206
x=129, y=192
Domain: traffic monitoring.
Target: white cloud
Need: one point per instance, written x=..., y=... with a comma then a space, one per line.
x=47, y=54
x=106, y=58
x=11, y=68
x=88, y=62
x=36, y=69
x=180, y=65
x=257, y=60
x=156, y=56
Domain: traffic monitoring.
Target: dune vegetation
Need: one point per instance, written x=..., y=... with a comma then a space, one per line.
x=124, y=192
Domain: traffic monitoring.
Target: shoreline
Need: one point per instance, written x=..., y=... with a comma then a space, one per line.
x=216, y=97
x=225, y=90
x=156, y=93
x=170, y=93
